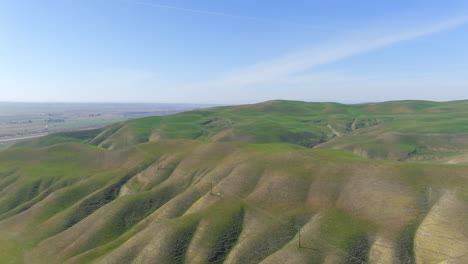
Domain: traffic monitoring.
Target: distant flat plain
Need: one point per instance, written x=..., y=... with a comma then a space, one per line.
x=25, y=120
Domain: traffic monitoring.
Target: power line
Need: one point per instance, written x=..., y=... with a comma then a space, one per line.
x=276, y=218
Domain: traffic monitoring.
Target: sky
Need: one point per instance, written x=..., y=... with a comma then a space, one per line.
x=233, y=51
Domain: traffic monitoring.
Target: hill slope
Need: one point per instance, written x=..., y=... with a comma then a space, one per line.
x=401, y=130
x=267, y=183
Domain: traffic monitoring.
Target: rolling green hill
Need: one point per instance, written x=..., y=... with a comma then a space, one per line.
x=275, y=182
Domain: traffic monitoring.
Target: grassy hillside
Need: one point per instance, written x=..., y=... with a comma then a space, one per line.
x=400, y=130
x=276, y=182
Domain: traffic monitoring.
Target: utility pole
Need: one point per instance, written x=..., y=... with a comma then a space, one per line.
x=215, y=193
x=300, y=240
x=299, y=232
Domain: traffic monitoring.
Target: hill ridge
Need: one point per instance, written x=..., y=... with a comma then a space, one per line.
x=160, y=189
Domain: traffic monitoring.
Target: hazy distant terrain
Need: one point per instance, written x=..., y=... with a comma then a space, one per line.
x=22, y=120
x=272, y=183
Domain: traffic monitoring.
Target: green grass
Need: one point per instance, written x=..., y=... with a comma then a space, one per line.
x=341, y=228
x=10, y=250
x=4, y=146
x=63, y=191
x=272, y=147
x=306, y=124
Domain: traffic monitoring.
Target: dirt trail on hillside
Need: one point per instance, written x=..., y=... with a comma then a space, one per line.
x=335, y=132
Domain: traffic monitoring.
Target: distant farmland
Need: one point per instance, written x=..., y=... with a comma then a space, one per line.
x=24, y=120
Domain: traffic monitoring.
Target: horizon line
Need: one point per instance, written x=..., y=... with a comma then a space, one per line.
x=227, y=104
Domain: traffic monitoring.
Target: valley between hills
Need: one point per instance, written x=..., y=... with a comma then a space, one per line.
x=274, y=182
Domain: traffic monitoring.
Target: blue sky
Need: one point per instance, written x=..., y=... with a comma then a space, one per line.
x=231, y=52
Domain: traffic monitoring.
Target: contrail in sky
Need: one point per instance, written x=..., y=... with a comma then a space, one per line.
x=221, y=14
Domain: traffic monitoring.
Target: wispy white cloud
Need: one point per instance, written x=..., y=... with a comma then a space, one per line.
x=291, y=65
